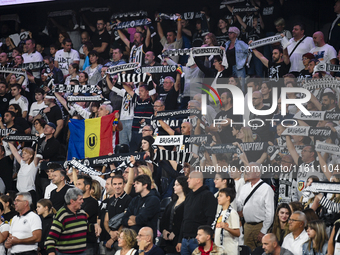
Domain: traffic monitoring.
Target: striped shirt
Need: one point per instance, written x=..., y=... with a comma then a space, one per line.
x=68, y=232
x=143, y=110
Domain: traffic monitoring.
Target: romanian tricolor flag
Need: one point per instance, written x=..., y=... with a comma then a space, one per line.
x=90, y=137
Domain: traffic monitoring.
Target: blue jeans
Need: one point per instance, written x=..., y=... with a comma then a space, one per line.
x=240, y=74
x=188, y=246
x=125, y=134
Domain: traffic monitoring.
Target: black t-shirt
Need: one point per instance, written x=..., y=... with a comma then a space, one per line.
x=6, y=172
x=263, y=132
x=231, y=57
x=222, y=39
x=269, y=14
x=54, y=114
x=168, y=97
x=303, y=76
x=97, y=41
x=21, y=123
x=277, y=71
x=226, y=133
x=57, y=198
x=197, y=39
x=4, y=102
x=118, y=205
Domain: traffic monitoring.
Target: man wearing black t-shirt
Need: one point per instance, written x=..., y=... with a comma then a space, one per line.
x=277, y=67
x=101, y=39
x=169, y=93
x=8, y=120
x=52, y=114
x=90, y=206
x=115, y=205
x=258, y=127
x=58, y=194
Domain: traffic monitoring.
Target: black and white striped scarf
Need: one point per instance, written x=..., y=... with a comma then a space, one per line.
x=132, y=77
x=225, y=218
x=63, y=88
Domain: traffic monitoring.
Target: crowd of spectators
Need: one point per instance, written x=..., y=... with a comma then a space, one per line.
x=165, y=203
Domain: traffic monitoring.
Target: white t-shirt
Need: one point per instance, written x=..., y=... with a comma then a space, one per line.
x=22, y=227
x=230, y=242
x=3, y=228
x=22, y=102
x=65, y=59
x=26, y=176
x=171, y=46
x=33, y=57
x=35, y=108
x=324, y=53
x=296, y=58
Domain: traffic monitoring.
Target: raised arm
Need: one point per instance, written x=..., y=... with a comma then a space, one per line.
x=128, y=90
x=15, y=152
x=123, y=38
x=261, y=57
x=292, y=150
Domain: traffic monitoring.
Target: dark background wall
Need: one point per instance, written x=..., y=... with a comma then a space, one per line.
x=316, y=14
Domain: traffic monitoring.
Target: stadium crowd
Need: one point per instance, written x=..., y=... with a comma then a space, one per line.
x=167, y=196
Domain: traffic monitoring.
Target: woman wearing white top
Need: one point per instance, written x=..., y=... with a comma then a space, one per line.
x=126, y=241
x=73, y=70
x=28, y=170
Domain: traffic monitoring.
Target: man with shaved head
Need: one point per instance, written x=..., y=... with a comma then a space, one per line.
x=199, y=209
x=322, y=51
x=145, y=243
x=271, y=246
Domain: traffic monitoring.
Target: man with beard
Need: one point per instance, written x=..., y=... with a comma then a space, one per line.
x=172, y=40
x=277, y=67
x=139, y=46
x=90, y=206
x=66, y=56
x=149, y=60
x=205, y=244
x=101, y=39
x=299, y=45
x=328, y=101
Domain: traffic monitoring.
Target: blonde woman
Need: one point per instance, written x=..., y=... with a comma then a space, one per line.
x=127, y=240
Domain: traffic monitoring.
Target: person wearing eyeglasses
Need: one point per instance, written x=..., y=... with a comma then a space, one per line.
x=298, y=236
x=25, y=230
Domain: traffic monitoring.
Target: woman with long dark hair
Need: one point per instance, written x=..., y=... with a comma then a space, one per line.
x=280, y=224
x=170, y=224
